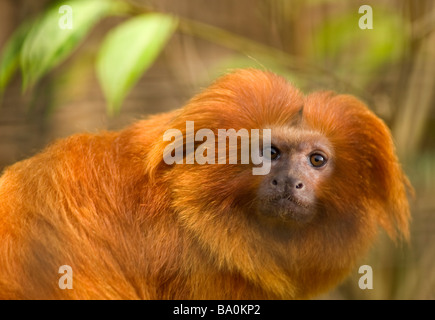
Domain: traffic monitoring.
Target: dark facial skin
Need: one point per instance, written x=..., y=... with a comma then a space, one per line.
x=301, y=160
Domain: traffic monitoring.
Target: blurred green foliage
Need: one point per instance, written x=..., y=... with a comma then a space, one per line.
x=131, y=47
x=361, y=53
x=128, y=50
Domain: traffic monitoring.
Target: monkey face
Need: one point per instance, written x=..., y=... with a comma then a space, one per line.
x=301, y=161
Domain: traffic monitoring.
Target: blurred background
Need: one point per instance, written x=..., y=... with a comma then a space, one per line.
x=316, y=44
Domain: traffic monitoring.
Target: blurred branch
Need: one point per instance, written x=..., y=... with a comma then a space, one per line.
x=251, y=48
x=238, y=43
x=409, y=126
x=255, y=49
x=424, y=26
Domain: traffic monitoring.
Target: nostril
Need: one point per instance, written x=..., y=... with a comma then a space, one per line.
x=274, y=182
x=299, y=185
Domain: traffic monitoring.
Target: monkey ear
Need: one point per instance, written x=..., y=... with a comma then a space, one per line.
x=298, y=119
x=169, y=147
x=159, y=126
x=154, y=160
x=396, y=220
x=389, y=182
x=300, y=114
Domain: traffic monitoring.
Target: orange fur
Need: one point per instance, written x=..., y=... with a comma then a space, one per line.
x=133, y=227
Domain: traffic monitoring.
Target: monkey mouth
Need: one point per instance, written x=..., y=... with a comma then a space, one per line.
x=286, y=208
x=297, y=201
x=283, y=199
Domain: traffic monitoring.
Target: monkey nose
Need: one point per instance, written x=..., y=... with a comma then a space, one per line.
x=299, y=185
x=287, y=183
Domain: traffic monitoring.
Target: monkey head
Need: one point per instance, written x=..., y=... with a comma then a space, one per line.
x=299, y=229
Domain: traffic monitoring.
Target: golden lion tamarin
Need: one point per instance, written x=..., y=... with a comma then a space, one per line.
x=132, y=226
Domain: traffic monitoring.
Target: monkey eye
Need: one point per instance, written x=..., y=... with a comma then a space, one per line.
x=272, y=152
x=317, y=160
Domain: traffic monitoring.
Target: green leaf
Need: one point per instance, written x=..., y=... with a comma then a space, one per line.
x=127, y=51
x=48, y=43
x=10, y=58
